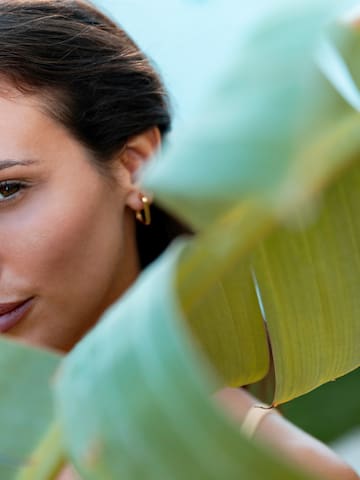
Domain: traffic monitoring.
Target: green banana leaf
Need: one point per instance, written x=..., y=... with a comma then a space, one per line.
x=308, y=277
x=139, y=408
x=26, y=404
x=143, y=408
x=271, y=105
x=273, y=190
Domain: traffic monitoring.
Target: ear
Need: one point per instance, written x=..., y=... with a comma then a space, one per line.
x=137, y=151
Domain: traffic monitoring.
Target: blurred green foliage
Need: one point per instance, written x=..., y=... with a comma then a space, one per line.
x=330, y=410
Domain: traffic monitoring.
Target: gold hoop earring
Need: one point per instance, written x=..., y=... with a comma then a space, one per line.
x=144, y=215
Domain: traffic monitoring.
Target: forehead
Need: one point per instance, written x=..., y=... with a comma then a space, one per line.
x=32, y=125
x=51, y=101
x=22, y=124
x=25, y=122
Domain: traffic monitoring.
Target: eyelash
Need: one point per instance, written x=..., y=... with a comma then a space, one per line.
x=5, y=188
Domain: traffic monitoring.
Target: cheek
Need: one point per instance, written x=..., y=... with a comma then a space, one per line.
x=65, y=246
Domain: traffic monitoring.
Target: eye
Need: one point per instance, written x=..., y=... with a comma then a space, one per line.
x=9, y=189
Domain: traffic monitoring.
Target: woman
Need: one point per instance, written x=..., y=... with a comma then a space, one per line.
x=81, y=110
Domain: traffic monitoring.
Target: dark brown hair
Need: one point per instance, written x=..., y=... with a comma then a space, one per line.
x=93, y=79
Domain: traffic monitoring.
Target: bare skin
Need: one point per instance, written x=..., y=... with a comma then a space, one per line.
x=284, y=438
x=67, y=231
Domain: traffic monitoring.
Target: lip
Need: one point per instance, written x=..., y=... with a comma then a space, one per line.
x=12, y=313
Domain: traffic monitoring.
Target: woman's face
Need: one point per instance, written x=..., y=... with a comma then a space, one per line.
x=67, y=245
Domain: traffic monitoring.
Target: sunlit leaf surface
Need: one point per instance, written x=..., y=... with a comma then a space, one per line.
x=309, y=275
x=268, y=174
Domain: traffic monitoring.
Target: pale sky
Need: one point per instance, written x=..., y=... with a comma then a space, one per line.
x=189, y=40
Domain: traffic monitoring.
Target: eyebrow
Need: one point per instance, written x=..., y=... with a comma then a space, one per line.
x=8, y=163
